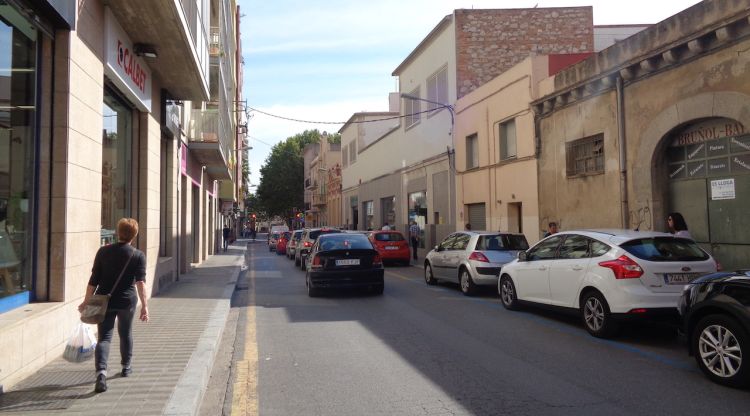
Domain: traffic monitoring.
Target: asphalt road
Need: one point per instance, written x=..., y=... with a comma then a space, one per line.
x=430, y=350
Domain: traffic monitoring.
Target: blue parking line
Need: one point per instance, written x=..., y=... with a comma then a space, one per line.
x=577, y=333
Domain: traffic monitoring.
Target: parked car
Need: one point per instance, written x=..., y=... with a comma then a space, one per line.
x=391, y=245
x=291, y=246
x=282, y=242
x=605, y=275
x=472, y=258
x=309, y=236
x=273, y=239
x=715, y=312
x=344, y=260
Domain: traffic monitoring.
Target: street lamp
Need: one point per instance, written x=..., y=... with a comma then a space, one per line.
x=441, y=105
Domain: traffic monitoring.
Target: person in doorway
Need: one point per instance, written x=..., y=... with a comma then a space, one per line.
x=467, y=227
x=551, y=229
x=414, y=238
x=225, y=233
x=111, y=262
x=677, y=225
x=386, y=227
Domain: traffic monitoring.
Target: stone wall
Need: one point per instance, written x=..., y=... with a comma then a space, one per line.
x=489, y=42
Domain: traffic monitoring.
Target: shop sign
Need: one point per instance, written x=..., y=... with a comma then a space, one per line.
x=722, y=189
x=708, y=130
x=227, y=207
x=127, y=70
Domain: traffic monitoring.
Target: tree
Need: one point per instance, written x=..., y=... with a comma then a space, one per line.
x=282, y=176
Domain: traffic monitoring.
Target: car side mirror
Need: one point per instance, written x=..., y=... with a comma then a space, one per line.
x=522, y=256
x=438, y=248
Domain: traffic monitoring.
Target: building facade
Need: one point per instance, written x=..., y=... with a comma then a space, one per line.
x=656, y=123
x=98, y=124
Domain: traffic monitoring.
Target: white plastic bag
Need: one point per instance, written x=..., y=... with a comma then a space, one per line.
x=81, y=344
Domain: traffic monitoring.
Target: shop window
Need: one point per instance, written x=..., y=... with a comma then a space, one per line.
x=18, y=136
x=418, y=212
x=388, y=210
x=585, y=156
x=116, y=164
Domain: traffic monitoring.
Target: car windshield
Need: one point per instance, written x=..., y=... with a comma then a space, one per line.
x=287, y=235
x=389, y=237
x=502, y=242
x=665, y=249
x=297, y=235
x=344, y=242
x=314, y=234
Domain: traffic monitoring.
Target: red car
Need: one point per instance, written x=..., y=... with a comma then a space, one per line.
x=391, y=245
x=282, y=242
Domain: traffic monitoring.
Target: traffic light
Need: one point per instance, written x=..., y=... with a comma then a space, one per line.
x=253, y=216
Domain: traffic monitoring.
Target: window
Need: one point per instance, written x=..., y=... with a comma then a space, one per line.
x=345, y=156
x=665, y=249
x=574, y=247
x=500, y=242
x=585, y=156
x=462, y=240
x=412, y=109
x=472, y=152
x=352, y=152
x=598, y=248
x=545, y=250
x=389, y=237
x=388, y=210
x=116, y=164
x=369, y=209
x=437, y=90
x=508, y=139
x=417, y=211
x=449, y=242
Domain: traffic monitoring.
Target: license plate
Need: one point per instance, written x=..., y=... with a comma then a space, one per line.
x=391, y=247
x=347, y=262
x=679, y=278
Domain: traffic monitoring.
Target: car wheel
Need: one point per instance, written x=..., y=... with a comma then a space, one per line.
x=720, y=344
x=507, y=291
x=429, y=278
x=296, y=261
x=596, y=316
x=311, y=291
x=467, y=284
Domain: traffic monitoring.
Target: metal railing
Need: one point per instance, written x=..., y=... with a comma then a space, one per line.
x=197, y=14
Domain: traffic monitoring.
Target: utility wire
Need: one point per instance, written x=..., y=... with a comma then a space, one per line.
x=342, y=122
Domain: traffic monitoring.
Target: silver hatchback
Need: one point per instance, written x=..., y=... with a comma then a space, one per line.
x=472, y=258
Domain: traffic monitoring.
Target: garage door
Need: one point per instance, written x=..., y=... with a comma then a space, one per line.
x=476, y=217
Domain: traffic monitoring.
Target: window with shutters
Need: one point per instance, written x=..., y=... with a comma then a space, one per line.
x=472, y=152
x=508, y=139
x=412, y=109
x=437, y=90
x=352, y=152
x=585, y=156
x=345, y=156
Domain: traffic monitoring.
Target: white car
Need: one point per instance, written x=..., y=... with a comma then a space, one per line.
x=607, y=275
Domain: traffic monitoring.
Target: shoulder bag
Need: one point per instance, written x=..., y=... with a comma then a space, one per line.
x=96, y=306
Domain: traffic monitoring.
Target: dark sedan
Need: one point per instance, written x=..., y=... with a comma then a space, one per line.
x=716, y=319
x=345, y=260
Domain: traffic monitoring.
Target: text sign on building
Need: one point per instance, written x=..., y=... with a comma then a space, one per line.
x=722, y=189
x=124, y=68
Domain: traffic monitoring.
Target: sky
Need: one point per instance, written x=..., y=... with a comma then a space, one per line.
x=324, y=60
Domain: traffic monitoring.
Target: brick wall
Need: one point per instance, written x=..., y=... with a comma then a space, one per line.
x=488, y=42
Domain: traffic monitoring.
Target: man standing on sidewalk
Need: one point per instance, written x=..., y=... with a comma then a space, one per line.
x=225, y=233
x=414, y=238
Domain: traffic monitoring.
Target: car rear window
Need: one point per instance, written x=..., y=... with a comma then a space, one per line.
x=345, y=242
x=297, y=235
x=502, y=242
x=389, y=237
x=314, y=234
x=665, y=249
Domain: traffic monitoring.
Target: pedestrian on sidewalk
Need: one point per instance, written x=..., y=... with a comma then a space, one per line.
x=551, y=229
x=414, y=237
x=112, y=261
x=677, y=225
x=225, y=233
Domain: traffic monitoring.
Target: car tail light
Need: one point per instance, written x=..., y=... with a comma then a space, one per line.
x=639, y=310
x=479, y=257
x=377, y=261
x=316, y=263
x=308, y=244
x=624, y=268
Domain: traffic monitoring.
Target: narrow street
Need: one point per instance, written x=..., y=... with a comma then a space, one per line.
x=420, y=350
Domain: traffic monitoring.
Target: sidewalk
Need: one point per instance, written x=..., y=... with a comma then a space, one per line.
x=172, y=354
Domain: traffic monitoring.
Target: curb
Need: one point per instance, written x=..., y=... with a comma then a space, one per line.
x=188, y=394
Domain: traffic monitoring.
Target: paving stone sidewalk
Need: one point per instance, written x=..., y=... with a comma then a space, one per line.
x=172, y=355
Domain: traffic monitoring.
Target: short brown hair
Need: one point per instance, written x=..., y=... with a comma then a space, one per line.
x=127, y=229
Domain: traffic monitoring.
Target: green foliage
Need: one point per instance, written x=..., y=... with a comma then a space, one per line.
x=282, y=176
x=334, y=138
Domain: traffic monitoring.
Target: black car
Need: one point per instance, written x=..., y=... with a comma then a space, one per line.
x=345, y=260
x=309, y=235
x=716, y=319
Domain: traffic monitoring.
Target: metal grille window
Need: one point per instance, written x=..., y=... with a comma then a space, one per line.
x=585, y=156
x=412, y=109
x=437, y=89
x=472, y=152
x=508, y=139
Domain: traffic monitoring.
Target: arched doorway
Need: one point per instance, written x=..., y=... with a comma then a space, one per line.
x=708, y=181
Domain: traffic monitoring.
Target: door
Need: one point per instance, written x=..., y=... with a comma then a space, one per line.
x=515, y=218
x=532, y=277
x=567, y=271
x=439, y=258
x=476, y=216
x=456, y=255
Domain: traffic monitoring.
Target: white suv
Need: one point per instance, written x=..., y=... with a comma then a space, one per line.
x=607, y=275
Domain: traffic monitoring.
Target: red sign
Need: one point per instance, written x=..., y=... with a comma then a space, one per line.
x=126, y=60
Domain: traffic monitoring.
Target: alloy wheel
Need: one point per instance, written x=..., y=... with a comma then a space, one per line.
x=593, y=313
x=506, y=291
x=720, y=351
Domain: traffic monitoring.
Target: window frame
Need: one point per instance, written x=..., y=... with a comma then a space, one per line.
x=575, y=153
x=412, y=109
x=352, y=152
x=435, y=95
x=503, y=139
x=472, y=151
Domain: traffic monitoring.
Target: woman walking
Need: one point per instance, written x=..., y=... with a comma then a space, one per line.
x=110, y=262
x=677, y=225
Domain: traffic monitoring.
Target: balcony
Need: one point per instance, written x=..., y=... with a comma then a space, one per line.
x=311, y=184
x=318, y=199
x=211, y=143
x=178, y=30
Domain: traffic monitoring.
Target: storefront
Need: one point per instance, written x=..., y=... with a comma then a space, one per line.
x=417, y=210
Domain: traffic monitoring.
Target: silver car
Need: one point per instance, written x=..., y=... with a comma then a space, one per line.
x=472, y=258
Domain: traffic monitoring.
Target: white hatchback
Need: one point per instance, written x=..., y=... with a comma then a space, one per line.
x=607, y=275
